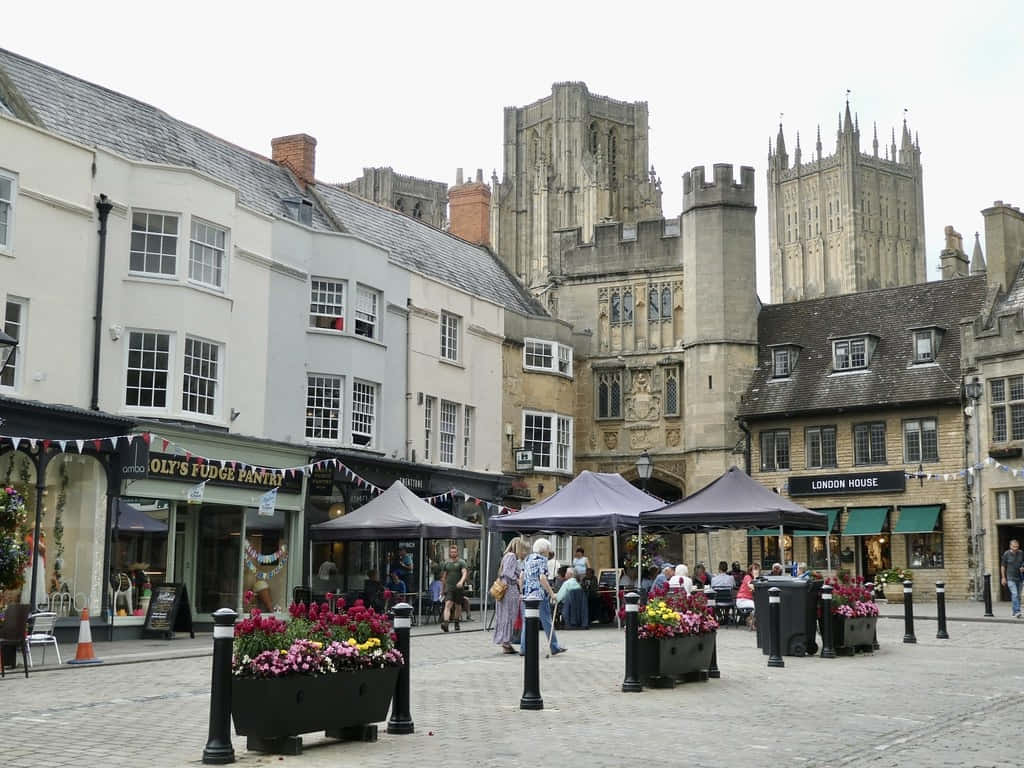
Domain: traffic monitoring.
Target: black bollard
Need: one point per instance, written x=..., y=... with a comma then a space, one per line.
x=908, y=612
x=709, y=595
x=774, y=627
x=531, y=663
x=218, y=749
x=874, y=634
x=826, y=623
x=988, y=595
x=631, y=683
x=940, y=602
x=401, y=720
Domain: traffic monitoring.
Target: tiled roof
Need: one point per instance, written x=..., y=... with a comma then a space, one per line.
x=429, y=251
x=1014, y=299
x=891, y=378
x=95, y=116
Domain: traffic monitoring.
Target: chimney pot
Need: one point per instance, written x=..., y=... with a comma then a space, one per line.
x=458, y=176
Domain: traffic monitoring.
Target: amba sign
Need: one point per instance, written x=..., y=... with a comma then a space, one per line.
x=165, y=466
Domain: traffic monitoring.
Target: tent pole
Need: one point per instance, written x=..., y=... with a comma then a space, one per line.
x=615, y=546
x=485, y=575
x=639, y=554
x=782, y=551
x=419, y=591
x=708, y=534
x=828, y=551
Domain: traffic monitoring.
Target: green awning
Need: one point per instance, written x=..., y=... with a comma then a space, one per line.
x=771, y=532
x=832, y=515
x=917, y=519
x=865, y=521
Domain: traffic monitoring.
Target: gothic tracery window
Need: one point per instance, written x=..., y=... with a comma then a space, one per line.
x=653, y=304
x=627, y=306
x=666, y=303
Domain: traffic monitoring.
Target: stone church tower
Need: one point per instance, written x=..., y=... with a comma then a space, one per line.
x=571, y=159
x=845, y=222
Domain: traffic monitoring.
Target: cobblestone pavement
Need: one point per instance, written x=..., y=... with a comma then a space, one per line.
x=936, y=703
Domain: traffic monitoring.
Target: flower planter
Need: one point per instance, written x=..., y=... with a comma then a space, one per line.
x=271, y=712
x=853, y=632
x=662, y=661
x=893, y=592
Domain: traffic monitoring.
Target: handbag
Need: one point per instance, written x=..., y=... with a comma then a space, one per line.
x=499, y=588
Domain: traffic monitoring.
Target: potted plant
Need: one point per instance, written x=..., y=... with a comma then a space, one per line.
x=323, y=670
x=890, y=582
x=854, y=613
x=677, y=638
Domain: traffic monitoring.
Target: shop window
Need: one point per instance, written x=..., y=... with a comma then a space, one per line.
x=869, y=443
x=920, y=441
x=817, y=555
x=138, y=552
x=925, y=550
x=775, y=450
x=820, y=446
x=266, y=554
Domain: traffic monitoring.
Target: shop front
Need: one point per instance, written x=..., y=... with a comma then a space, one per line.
x=206, y=516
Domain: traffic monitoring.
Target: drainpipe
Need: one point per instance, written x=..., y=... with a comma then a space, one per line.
x=103, y=205
x=746, y=448
x=408, y=383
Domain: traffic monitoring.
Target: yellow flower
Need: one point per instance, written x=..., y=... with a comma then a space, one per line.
x=351, y=641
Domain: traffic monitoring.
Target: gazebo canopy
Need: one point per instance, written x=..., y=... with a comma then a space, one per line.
x=398, y=513
x=594, y=502
x=734, y=500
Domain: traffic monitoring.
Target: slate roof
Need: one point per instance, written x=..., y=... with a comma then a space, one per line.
x=1014, y=299
x=891, y=378
x=95, y=116
x=429, y=251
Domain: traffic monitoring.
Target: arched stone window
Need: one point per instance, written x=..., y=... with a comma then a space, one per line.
x=593, y=138
x=653, y=315
x=627, y=306
x=612, y=152
x=666, y=303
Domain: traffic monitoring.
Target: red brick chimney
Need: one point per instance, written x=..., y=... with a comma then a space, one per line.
x=469, y=209
x=298, y=153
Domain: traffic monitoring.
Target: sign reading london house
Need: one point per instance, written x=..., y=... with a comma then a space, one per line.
x=858, y=482
x=193, y=469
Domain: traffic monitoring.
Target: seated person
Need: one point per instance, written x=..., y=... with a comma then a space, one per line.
x=373, y=591
x=745, y=595
x=681, y=579
x=649, y=577
x=737, y=572
x=661, y=580
x=436, y=589
x=573, y=600
x=776, y=569
x=396, y=584
x=700, y=577
x=723, y=579
x=801, y=572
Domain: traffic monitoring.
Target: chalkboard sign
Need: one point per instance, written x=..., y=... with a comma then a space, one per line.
x=169, y=612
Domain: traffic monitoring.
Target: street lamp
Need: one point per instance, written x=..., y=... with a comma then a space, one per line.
x=644, y=468
x=8, y=345
x=974, y=390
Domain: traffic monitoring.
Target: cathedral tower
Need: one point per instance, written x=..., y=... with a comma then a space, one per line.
x=847, y=222
x=571, y=159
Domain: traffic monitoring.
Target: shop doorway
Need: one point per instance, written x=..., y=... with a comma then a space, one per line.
x=875, y=554
x=208, y=555
x=1006, y=532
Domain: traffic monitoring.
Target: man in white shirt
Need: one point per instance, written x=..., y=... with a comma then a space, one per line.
x=723, y=579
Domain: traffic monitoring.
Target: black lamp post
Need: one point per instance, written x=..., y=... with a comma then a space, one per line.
x=8, y=346
x=974, y=390
x=644, y=468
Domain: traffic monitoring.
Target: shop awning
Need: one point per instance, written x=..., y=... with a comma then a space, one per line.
x=865, y=521
x=917, y=519
x=755, y=532
x=832, y=515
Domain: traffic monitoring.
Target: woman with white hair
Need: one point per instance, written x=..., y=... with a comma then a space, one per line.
x=681, y=579
x=536, y=584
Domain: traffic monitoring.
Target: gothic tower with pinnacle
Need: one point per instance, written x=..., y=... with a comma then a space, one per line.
x=845, y=222
x=572, y=159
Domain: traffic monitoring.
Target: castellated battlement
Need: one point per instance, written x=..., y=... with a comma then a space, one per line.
x=649, y=244
x=723, y=190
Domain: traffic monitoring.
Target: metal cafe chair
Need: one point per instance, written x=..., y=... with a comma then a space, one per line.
x=41, y=633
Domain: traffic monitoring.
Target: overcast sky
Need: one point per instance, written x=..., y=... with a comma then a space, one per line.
x=420, y=86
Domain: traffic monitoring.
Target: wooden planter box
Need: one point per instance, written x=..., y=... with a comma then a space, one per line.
x=662, y=662
x=272, y=712
x=854, y=633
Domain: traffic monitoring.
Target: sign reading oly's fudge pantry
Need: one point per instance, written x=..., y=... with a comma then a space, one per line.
x=854, y=482
x=194, y=469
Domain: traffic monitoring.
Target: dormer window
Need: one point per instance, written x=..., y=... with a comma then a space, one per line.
x=783, y=360
x=299, y=209
x=926, y=344
x=850, y=354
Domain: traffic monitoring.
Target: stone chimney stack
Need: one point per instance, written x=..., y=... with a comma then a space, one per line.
x=469, y=209
x=1004, y=241
x=953, y=259
x=298, y=153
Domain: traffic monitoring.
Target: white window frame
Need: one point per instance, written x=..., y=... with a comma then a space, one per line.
x=448, y=425
x=428, y=425
x=359, y=410
x=558, y=356
x=467, y=434
x=206, y=248
x=186, y=376
x=169, y=392
x=326, y=294
x=847, y=346
x=146, y=234
x=450, y=346
x=558, y=426
x=7, y=243
x=781, y=363
x=17, y=330
x=919, y=336
x=363, y=315
x=337, y=384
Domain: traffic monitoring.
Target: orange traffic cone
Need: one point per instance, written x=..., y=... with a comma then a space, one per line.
x=84, y=654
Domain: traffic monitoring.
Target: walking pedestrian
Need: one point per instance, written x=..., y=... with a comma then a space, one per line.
x=535, y=584
x=1010, y=565
x=455, y=575
x=507, y=609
